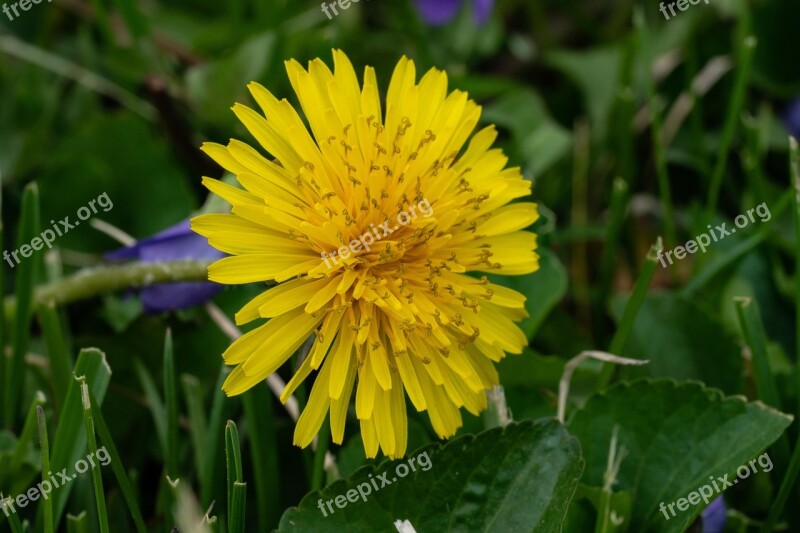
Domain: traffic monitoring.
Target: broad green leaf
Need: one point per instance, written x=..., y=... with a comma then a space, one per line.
x=681, y=341
x=213, y=85
x=596, y=73
x=518, y=478
x=675, y=436
x=540, y=140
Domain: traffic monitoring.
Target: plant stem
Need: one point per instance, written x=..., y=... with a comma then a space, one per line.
x=744, y=61
x=104, y=279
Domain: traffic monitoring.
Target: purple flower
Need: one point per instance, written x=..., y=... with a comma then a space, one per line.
x=792, y=118
x=714, y=516
x=173, y=244
x=438, y=12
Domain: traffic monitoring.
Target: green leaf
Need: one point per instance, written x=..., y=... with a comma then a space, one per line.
x=171, y=408
x=596, y=73
x=26, y=436
x=238, y=500
x=57, y=352
x=210, y=477
x=78, y=524
x=23, y=289
x=120, y=312
x=44, y=447
x=212, y=85
x=91, y=439
x=675, y=436
x=154, y=404
x=236, y=485
x=518, y=478
x=198, y=425
x=263, y=439
x=540, y=140
x=117, y=467
x=70, y=440
x=681, y=341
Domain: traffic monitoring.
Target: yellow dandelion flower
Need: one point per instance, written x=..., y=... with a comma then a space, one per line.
x=369, y=225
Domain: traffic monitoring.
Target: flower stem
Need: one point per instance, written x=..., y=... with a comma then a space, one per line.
x=94, y=281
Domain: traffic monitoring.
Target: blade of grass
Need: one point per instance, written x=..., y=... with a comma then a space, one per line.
x=70, y=439
x=263, y=448
x=117, y=466
x=4, y=363
x=91, y=439
x=619, y=202
x=755, y=337
x=13, y=519
x=730, y=257
x=154, y=404
x=659, y=151
x=631, y=310
x=26, y=276
x=215, y=436
x=198, y=426
x=40, y=57
x=28, y=430
x=790, y=479
x=236, y=523
x=57, y=353
x=744, y=61
x=787, y=483
x=766, y=387
x=624, y=111
x=78, y=524
x=579, y=218
x=752, y=157
x=233, y=458
x=794, y=165
x=44, y=447
x=171, y=401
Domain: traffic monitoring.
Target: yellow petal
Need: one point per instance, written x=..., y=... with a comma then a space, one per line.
x=317, y=407
x=342, y=355
x=370, y=438
x=252, y=267
x=339, y=406
x=287, y=333
x=365, y=394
